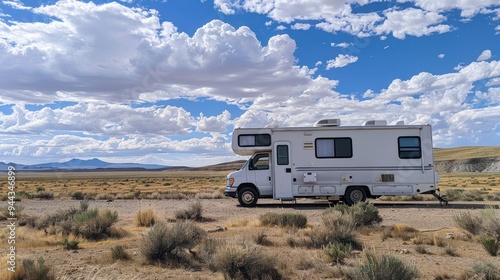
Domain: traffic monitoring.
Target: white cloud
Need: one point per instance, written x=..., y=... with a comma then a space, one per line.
x=16, y=4
x=301, y=26
x=341, y=60
x=413, y=22
x=469, y=8
x=419, y=18
x=111, y=119
x=341, y=45
x=214, y=123
x=111, y=53
x=485, y=55
x=441, y=55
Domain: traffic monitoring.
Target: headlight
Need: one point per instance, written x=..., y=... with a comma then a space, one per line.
x=230, y=182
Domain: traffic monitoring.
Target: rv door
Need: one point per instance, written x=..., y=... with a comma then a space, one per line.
x=282, y=170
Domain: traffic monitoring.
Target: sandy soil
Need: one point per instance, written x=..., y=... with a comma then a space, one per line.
x=93, y=260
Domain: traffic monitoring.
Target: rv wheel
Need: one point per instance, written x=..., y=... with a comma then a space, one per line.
x=247, y=197
x=354, y=195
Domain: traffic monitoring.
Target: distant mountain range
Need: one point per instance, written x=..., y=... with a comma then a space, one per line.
x=84, y=165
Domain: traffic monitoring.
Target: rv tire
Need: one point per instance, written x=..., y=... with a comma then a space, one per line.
x=248, y=197
x=354, y=195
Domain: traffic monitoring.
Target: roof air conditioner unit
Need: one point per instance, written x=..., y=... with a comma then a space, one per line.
x=375, y=122
x=327, y=122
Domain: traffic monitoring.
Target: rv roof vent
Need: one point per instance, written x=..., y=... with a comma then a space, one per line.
x=327, y=122
x=375, y=122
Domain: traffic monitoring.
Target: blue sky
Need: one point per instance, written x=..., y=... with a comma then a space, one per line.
x=167, y=81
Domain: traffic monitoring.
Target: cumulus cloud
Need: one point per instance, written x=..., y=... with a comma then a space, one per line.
x=417, y=18
x=114, y=53
x=341, y=60
x=111, y=120
x=413, y=22
x=485, y=55
x=301, y=26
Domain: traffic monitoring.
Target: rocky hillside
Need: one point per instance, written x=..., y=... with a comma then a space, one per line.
x=468, y=159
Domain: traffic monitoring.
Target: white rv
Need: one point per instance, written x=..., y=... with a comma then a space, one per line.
x=348, y=163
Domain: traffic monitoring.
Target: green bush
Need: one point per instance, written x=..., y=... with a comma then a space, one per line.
x=166, y=243
x=296, y=220
x=244, y=262
x=338, y=251
x=193, y=212
x=490, y=244
x=382, y=268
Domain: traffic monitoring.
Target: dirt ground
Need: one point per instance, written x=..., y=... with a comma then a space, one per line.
x=93, y=260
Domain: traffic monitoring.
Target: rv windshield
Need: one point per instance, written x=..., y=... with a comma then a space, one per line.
x=245, y=164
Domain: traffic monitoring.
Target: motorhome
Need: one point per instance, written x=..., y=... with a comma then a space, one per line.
x=338, y=163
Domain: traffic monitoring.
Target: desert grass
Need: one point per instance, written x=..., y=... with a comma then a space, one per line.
x=145, y=218
x=118, y=184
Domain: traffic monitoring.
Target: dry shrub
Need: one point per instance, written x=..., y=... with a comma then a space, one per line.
x=31, y=270
x=94, y=224
x=118, y=253
x=337, y=251
x=490, y=244
x=486, y=271
x=209, y=195
x=165, y=243
x=378, y=267
x=145, y=218
x=335, y=227
x=244, y=262
x=295, y=220
x=193, y=212
x=261, y=239
x=70, y=244
x=207, y=250
x=468, y=222
x=43, y=194
x=400, y=231
x=9, y=211
x=363, y=214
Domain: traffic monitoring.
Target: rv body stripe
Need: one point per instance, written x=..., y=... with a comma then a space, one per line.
x=364, y=168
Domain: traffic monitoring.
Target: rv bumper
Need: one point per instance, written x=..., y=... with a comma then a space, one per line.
x=230, y=192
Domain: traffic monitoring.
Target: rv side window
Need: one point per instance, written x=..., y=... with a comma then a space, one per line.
x=409, y=147
x=254, y=140
x=334, y=148
x=282, y=154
